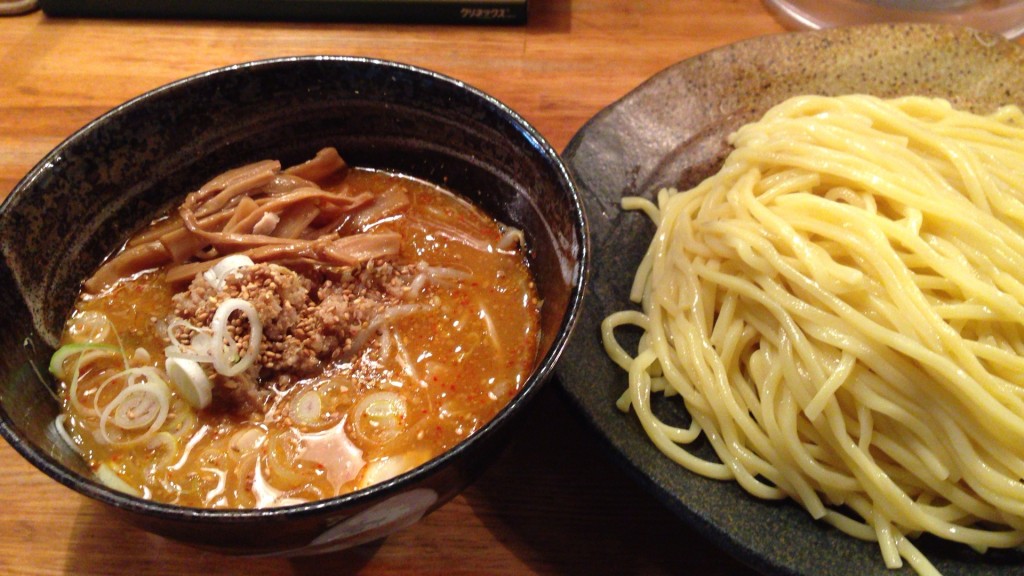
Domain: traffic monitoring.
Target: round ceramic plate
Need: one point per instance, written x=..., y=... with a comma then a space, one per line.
x=671, y=131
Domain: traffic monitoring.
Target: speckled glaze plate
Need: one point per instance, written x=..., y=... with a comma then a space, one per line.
x=671, y=130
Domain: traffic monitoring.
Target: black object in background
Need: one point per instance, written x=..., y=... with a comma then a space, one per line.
x=488, y=12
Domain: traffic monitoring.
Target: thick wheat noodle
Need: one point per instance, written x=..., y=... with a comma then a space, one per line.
x=841, y=311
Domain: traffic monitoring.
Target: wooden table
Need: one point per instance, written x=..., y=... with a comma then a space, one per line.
x=554, y=503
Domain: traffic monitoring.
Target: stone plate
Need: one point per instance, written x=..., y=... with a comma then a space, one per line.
x=670, y=131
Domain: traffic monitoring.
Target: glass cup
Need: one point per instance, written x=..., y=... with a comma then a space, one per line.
x=1004, y=17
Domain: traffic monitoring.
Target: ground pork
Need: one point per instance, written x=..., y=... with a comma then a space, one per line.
x=309, y=319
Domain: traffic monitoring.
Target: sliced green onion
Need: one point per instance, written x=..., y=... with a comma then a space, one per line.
x=166, y=445
x=136, y=406
x=306, y=408
x=216, y=275
x=63, y=434
x=87, y=352
x=199, y=347
x=388, y=467
x=184, y=420
x=225, y=349
x=138, y=409
x=129, y=375
x=68, y=350
x=380, y=417
x=247, y=440
x=141, y=357
x=191, y=382
x=111, y=480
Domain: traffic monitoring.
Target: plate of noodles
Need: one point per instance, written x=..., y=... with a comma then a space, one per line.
x=806, y=337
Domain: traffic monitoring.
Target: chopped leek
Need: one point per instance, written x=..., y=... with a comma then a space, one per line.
x=142, y=404
x=68, y=350
x=111, y=480
x=191, y=382
x=216, y=275
x=226, y=359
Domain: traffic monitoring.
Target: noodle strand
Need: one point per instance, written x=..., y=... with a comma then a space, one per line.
x=841, y=311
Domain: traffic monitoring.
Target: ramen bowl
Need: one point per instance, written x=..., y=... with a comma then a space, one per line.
x=84, y=199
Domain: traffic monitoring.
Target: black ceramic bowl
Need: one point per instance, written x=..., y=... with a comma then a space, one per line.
x=86, y=197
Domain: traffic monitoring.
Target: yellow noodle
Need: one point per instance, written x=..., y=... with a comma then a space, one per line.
x=841, y=311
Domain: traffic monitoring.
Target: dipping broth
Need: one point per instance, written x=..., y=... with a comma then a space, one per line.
x=291, y=335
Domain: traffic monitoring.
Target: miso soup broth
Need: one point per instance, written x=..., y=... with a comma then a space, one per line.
x=290, y=335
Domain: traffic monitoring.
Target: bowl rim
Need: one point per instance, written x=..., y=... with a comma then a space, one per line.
x=543, y=370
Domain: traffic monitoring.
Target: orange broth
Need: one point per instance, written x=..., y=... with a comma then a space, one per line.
x=452, y=367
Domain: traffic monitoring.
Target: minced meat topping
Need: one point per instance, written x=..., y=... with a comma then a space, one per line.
x=307, y=320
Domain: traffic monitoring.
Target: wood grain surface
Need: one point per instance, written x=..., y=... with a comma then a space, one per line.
x=555, y=503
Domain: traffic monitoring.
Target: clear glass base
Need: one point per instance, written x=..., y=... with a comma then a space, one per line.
x=15, y=7
x=1004, y=17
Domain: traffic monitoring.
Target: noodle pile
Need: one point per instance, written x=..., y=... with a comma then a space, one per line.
x=841, y=309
